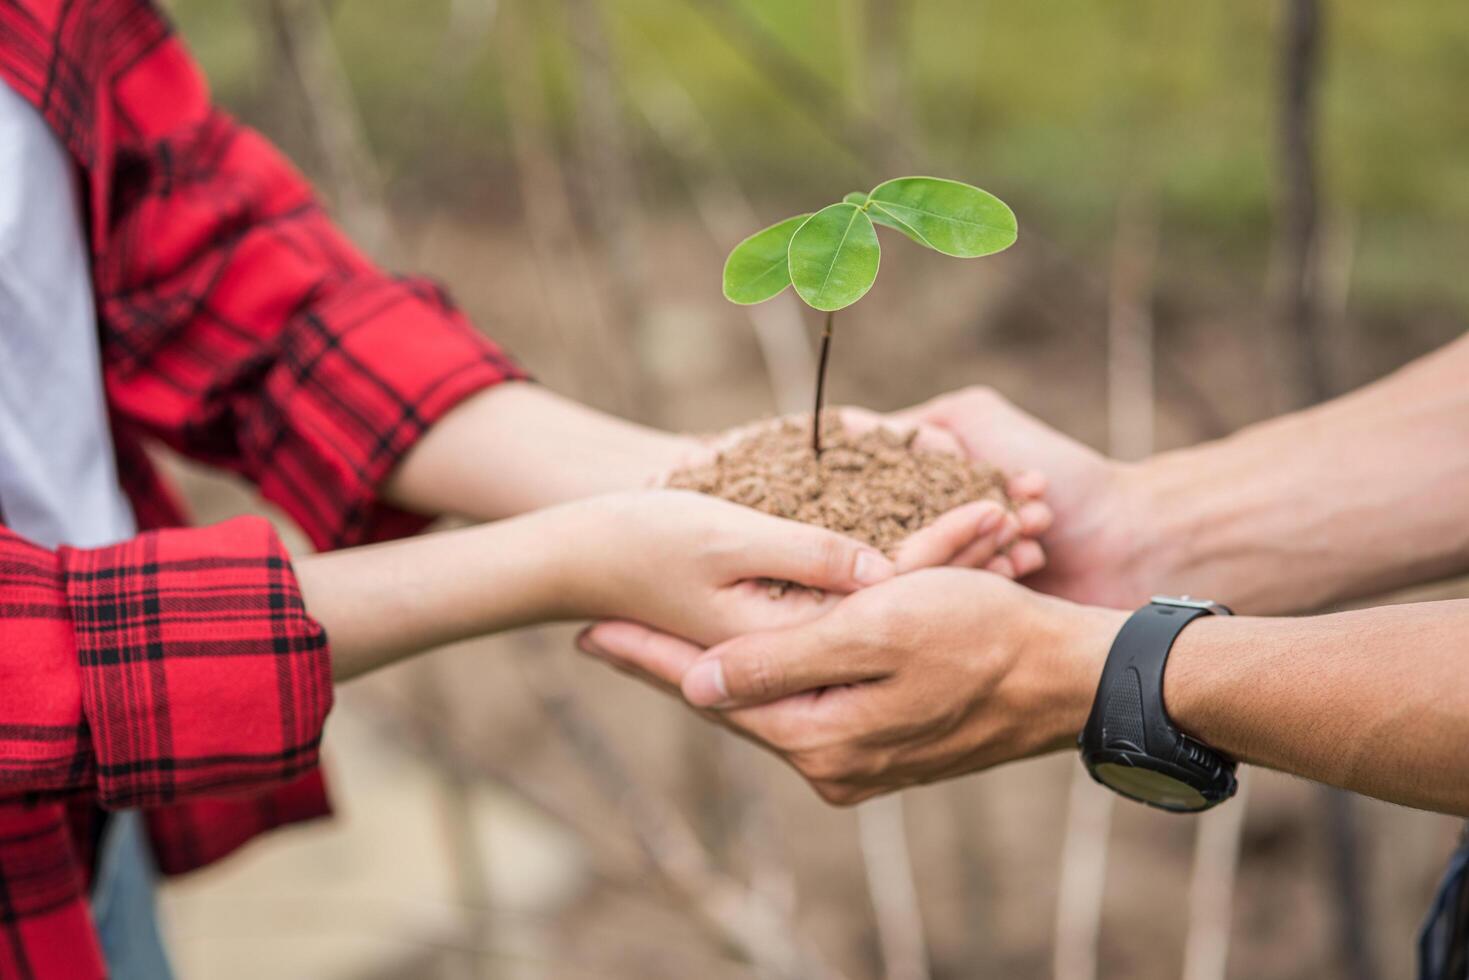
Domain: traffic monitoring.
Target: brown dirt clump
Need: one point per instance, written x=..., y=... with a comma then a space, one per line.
x=875, y=486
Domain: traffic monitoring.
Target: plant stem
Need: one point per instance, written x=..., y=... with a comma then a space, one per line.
x=821, y=386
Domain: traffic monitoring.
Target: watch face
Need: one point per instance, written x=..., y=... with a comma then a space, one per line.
x=1150, y=787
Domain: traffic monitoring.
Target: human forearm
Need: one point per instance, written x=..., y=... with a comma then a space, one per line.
x=1375, y=701
x=677, y=560
x=517, y=447
x=381, y=603
x=943, y=672
x=1360, y=495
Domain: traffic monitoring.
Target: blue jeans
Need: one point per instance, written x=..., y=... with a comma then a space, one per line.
x=1443, y=944
x=123, y=902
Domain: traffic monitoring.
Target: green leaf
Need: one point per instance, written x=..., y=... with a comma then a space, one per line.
x=881, y=217
x=834, y=257
x=947, y=216
x=757, y=268
x=858, y=198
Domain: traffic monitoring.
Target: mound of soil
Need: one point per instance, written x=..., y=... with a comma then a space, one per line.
x=875, y=486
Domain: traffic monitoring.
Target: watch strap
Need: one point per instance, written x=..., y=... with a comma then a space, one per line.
x=1128, y=715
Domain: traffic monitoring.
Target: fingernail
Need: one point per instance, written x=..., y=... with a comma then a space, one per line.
x=989, y=520
x=703, y=685
x=587, y=645
x=1008, y=533
x=871, y=568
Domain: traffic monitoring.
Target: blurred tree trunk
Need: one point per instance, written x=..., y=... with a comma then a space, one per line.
x=1211, y=887
x=886, y=70
x=607, y=179
x=304, y=49
x=1131, y=408
x=302, y=45
x=741, y=918
x=890, y=882
x=1302, y=331
x=868, y=138
x=468, y=24
x=728, y=215
x=1299, y=323
x=601, y=362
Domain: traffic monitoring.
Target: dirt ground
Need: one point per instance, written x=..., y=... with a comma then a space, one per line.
x=508, y=862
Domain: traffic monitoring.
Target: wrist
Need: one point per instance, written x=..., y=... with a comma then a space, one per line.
x=1170, y=521
x=1191, y=695
x=506, y=574
x=1073, y=643
x=1212, y=526
x=573, y=573
x=601, y=554
x=1108, y=548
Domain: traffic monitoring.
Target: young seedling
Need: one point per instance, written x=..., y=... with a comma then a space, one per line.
x=831, y=256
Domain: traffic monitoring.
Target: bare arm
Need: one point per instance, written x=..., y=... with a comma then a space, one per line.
x=945, y=671
x=517, y=446
x=688, y=564
x=1360, y=495
x=1375, y=701
x=384, y=602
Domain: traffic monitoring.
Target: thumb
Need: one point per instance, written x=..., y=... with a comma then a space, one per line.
x=761, y=667
x=657, y=657
x=793, y=552
x=976, y=523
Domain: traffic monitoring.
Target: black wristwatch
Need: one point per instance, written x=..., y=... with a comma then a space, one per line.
x=1129, y=744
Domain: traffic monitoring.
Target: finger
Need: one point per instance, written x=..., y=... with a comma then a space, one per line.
x=839, y=715
x=844, y=714
x=1001, y=565
x=764, y=667
x=698, y=456
x=950, y=535
x=1035, y=519
x=845, y=795
x=1027, y=485
x=789, y=551
x=937, y=440
x=635, y=648
x=752, y=606
x=920, y=435
x=978, y=554
x=1027, y=557
x=859, y=420
x=914, y=415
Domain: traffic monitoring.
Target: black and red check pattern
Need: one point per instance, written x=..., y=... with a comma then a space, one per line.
x=200, y=671
x=180, y=663
x=178, y=671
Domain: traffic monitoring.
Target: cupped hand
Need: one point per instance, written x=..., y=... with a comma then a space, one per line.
x=1093, y=548
x=703, y=568
x=982, y=534
x=927, y=676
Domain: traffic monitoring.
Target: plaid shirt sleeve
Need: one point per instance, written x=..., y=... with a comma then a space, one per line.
x=175, y=664
x=238, y=324
x=243, y=329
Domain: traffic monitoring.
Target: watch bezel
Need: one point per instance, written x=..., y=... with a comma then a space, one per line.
x=1189, y=602
x=1212, y=794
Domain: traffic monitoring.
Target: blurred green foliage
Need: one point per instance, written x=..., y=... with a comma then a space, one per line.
x=1058, y=107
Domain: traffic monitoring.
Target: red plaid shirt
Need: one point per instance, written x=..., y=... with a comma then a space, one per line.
x=178, y=671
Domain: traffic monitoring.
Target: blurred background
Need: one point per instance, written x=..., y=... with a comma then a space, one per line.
x=1226, y=210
